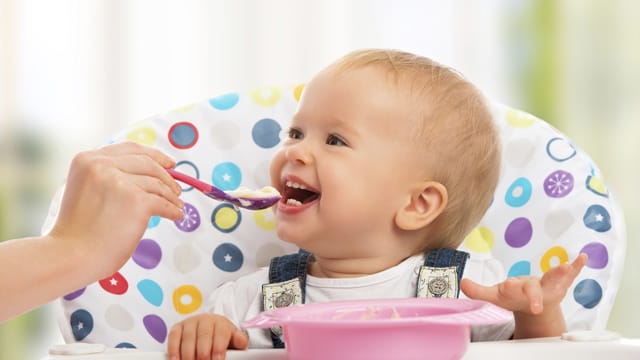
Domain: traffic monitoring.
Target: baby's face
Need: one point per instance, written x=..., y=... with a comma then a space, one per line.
x=347, y=165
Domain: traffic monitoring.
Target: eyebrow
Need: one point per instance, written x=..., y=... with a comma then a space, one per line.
x=343, y=126
x=340, y=125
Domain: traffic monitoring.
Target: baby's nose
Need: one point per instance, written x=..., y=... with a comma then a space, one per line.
x=299, y=153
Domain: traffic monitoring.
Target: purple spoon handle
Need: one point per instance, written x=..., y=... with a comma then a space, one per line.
x=215, y=193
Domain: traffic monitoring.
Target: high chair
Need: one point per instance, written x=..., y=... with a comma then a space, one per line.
x=551, y=203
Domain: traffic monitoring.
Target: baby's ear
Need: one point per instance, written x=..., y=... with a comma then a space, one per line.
x=424, y=205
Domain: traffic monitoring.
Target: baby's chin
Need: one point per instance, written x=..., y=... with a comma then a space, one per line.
x=292, y=238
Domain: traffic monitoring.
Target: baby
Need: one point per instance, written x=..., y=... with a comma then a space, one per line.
x=391, y=160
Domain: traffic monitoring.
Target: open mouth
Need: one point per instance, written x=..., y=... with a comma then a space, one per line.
x=296, y=194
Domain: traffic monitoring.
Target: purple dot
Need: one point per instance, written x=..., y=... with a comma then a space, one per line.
x=74, y=295
x=155, y=327
x=558, y=184
x=191, y=219
x=148, y=254
x=598, y=255
x=518, y=232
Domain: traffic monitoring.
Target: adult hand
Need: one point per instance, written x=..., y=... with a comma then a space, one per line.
x=110, y=194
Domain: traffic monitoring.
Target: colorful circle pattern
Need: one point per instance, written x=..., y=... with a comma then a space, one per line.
x=551, y=206
x=129, y=308
x=539, y=221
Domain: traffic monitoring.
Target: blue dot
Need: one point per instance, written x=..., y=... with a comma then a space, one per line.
x=266, y=133
x=151, y=291
x=183, y=135
x=81, y=324
x=588, y=293
x=224, y=102
x=521, y=268
x=189, y=168
x=125, y=345
x=597, y=218
x=228, y=257
x=226, y=176
x=153, y=222
x=560, y=149
x=518, y=193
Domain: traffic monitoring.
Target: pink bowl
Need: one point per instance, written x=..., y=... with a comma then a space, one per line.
x=380, y=329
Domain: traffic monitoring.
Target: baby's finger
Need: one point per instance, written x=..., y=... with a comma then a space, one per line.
x=578, y=264
x=188, y=345
x=205, y=339
x=173, y=347
x=479, y=292
x=221, y=339
x=239, y=340
x=533, y=292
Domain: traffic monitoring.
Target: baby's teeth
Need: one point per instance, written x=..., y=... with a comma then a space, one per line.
x=295, y=185
x=294, y=202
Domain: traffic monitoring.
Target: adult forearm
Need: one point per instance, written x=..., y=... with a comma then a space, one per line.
x=35, y=271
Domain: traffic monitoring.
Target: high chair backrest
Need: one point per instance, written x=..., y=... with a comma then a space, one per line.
x=551, y=203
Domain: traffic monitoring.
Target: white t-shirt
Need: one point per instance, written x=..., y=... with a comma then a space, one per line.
x=241, y=300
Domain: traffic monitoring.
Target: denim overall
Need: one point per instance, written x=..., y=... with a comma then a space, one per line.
x=444, y=263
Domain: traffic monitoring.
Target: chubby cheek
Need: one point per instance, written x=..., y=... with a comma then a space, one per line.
x=275, y=169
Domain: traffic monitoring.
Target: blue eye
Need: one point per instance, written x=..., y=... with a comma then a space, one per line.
x=335, y=141
x=295, y=134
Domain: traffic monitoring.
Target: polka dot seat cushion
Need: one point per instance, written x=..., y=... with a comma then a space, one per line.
x=550, y=205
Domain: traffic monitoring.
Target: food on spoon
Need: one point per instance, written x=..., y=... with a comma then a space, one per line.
x=244, y=192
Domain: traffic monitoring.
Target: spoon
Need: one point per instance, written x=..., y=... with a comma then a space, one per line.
x=250, y=200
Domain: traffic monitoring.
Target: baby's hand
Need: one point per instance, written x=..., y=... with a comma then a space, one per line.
x=528, y=294
x=205, y=336
x=535, y=301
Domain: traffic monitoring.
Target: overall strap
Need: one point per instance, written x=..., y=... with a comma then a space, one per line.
x=441, y=274
x=287, y=285
x=288, y=267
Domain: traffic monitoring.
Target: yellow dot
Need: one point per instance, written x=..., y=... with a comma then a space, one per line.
x=184, y=109
x=187, y=299
x=479, y=240
x=596, y=185
x=226, y=218
x=557, y=254
x=519, y=119
x=297, y=92
x=266, y=96
x=142, y=135
x=265, y=219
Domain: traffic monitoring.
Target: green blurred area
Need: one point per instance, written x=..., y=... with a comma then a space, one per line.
x=25, y=191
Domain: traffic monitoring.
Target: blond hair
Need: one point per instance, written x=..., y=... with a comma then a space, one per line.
x=455, y=132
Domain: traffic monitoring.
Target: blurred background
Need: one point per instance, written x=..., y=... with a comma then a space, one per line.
x=75, y=72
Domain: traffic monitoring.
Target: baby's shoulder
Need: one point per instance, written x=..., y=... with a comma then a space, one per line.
x=245, y=287
x=252, y=280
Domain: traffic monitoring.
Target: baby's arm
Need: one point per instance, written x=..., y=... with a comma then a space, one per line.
x=535, y=302
x=204, y=336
